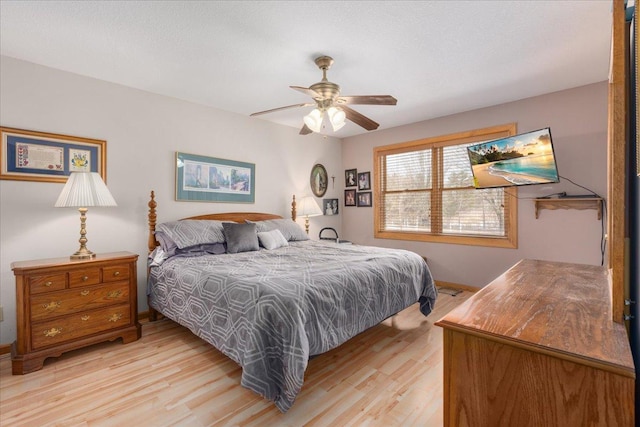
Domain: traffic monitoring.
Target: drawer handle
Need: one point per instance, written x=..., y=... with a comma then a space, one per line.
x=85, y=278
x=52, y=332
x=114, y=294
x=48, y=284
x=116, y=273
x=115, y=317
x=85, y=318
x=85, y=293
x=51, y=306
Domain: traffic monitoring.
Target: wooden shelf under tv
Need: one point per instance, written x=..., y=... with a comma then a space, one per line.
x=570, y=203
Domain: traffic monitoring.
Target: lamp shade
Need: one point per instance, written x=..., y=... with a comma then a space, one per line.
x=85, y=189
x=308, y=207
x=337, y=118
x=313, y=120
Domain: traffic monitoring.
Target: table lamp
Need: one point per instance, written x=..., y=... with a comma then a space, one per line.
x=82, y=190
x=308, y=207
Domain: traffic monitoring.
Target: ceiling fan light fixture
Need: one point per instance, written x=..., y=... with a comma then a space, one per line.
x=313, y=120
x=337, y=118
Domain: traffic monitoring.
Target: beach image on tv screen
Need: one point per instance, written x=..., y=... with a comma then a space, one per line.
x=516, y=160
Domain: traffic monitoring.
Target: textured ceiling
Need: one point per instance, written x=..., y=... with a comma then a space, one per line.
x=435, y=57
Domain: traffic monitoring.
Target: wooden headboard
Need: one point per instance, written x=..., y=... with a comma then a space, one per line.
x=225, y=216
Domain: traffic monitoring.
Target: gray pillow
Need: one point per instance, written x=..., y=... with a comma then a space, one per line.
x=289, y=228
x=188, y=232
x=240, y=237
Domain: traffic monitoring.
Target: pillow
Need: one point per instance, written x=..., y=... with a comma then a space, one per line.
x=272, y=239
x=240, y=237
x=167, y=244
x=187, y=233
x=204, y=249
x=289, y=228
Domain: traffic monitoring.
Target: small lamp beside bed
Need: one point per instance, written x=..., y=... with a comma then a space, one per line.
x=82, y=190
x=308, y=207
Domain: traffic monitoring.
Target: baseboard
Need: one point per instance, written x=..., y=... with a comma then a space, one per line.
x=456, y=286
x=5, y=349
x=143, y=315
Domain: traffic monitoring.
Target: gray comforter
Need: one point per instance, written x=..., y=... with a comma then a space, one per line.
x=270, y=311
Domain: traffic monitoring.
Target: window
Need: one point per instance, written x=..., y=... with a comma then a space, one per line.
x=424, y=191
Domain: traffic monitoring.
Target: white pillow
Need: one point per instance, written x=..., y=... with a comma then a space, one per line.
x=272, y=239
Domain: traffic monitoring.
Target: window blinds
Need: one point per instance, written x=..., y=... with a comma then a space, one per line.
x=429, y=189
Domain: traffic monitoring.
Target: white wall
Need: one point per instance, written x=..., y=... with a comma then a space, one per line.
x=143, y=131
x=578, y=121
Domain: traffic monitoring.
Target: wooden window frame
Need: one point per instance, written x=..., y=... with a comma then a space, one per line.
x=510, y=240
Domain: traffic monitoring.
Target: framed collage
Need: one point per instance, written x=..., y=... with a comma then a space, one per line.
x=209, y=179
x=28, y=155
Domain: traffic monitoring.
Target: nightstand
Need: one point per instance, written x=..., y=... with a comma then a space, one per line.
x=64, y=305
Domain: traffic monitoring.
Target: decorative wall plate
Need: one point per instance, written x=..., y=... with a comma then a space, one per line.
x=318, y=180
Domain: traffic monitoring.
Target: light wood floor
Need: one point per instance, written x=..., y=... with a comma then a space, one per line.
x=390, y=375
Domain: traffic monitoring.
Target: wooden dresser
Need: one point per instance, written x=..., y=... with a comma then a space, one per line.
x=63, y=305
x=537, y=347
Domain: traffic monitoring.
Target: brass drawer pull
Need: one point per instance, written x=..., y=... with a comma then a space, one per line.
x=115, y=317
x=85, y=317
x=85, y=293
x=52, y=332
x=85, y=278
x=114, y=294
x=51, y=306
x=116, y=273
x=48, y=284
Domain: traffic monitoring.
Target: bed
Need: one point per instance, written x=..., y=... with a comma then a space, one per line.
x=271, y=307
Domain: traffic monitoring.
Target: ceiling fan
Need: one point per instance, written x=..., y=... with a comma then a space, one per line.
x=327, y=99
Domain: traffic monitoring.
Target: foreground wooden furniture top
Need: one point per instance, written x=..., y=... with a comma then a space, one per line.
x=63, y=305
x=537, y=346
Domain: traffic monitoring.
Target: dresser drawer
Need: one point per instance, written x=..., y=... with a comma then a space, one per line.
x=54, y=282
x=53, y=304
x=84, y=277
x=79, y=325
x=115, y=273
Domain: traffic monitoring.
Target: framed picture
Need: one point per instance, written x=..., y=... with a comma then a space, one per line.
x=28, y=155
x=208, y=179
x=318, y=180
x=330, y=206
x=364, y=199
x=364, y=181
x=350, y=176
x=350, y=197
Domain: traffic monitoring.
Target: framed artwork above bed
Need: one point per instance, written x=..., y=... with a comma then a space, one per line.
x=209, y=179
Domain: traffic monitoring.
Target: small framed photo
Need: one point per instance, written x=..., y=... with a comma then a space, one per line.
x=364, y=181
x=330, y=206
x=350, y=176
x=350, y=197
x=364, y=199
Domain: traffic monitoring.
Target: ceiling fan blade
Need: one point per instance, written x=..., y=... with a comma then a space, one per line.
x=305, y=130
x=359, y=119
x=368, y=100
x=282, y=108
x=310, y=92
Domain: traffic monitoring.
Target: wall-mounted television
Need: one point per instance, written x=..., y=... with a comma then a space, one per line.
x=523, y=159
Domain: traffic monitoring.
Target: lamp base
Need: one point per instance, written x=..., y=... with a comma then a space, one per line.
x=82, y=253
